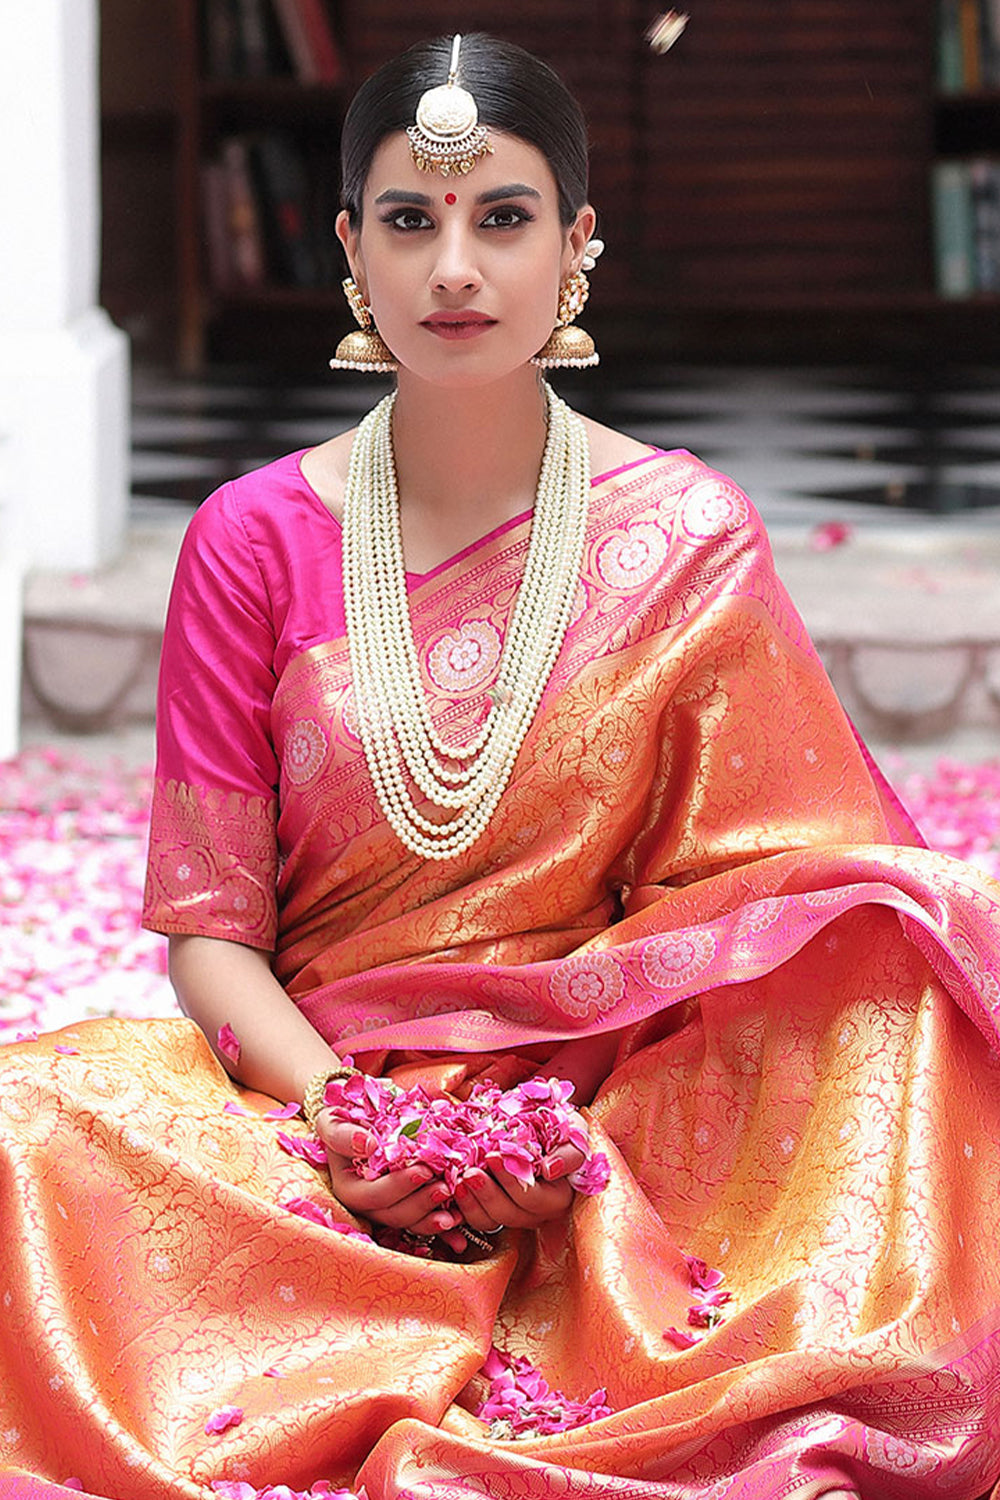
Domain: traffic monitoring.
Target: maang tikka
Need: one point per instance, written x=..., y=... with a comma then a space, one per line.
x=447, y=136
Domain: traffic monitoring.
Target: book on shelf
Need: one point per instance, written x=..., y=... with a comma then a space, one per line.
x=310, y=40
x=234, y=235
x=968, y=46
x=266, y=202
x=221, y=45
x=966, y=216
x=284, y=196
x=260, y=38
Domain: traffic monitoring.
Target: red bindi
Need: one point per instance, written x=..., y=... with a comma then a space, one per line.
x=450, y=198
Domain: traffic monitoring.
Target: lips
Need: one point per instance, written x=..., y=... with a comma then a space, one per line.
x=460, y=315
x=461, y=324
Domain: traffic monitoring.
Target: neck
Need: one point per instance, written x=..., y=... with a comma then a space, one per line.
x=470, y=453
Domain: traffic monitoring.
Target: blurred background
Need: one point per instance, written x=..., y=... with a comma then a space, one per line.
x=801, y=207
x=765, y=187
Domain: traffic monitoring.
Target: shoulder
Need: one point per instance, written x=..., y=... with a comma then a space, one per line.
x=610, y=449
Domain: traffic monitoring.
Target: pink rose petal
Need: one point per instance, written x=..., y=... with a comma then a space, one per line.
x=286, y=1112
x=67, y=1051
x=306, y=1147
x=223, y=1418
x=680, y=1339
x=231, y=1108
x=702, y=1275
x=829, y=534
x=229, y=1043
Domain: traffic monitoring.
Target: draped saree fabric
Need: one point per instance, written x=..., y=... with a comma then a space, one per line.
x=694, y=854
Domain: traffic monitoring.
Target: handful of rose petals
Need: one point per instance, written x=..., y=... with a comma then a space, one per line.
x=517, y=1129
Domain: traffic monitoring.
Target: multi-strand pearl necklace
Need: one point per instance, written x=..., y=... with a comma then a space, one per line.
x=397, y=732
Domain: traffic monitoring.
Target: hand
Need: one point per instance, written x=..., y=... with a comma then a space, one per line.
x=412, y=1199
x=491, y=1199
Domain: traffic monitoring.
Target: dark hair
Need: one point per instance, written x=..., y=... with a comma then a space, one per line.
x=514, y=91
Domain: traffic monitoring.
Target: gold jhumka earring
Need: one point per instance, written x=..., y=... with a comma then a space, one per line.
x=568, y=347
x=364, y=350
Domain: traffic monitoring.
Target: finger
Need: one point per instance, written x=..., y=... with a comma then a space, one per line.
x=561, y=1162
x=425, y=1210
x=483, y=1202
x=387, y=1191
x=343, y=1137
x=539, y=1200
x=536, y=1197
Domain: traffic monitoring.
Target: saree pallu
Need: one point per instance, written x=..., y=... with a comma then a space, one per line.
x=693, y=854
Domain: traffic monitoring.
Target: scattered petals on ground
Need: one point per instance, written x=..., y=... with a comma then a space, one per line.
x=956, y=807
x=72, y=867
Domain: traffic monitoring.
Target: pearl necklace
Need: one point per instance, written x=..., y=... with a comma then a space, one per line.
x=397, y=732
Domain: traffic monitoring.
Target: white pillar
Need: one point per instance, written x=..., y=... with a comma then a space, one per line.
x=64, y=367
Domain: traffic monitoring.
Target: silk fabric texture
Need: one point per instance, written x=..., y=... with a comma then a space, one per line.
x=695, y=853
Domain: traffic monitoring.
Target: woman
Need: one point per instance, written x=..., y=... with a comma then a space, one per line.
x=635, y=846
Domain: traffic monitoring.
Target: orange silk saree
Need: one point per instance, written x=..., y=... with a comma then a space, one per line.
x=694, y=854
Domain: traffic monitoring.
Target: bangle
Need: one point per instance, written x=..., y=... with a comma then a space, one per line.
x=314, y=1097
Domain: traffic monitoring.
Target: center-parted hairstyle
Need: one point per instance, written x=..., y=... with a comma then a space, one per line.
x=514, y=91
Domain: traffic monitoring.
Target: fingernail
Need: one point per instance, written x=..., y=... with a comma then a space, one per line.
x=553, y=1169
x=447, y=1221
x=440, y=1194
x=360, y=1140
x=420, y=1175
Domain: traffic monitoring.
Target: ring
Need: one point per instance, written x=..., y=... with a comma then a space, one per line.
x=477, y=1237
x=497, y=1229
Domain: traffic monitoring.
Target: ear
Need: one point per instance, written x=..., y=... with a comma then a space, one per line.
x=579, y=233
x=350, y=238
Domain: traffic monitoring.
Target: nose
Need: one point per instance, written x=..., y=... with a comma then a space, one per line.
x=455, y=268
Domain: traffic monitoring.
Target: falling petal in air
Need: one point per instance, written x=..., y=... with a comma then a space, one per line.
x=666, y=30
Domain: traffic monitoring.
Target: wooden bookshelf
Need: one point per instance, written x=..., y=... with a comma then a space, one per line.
x=965, y=176
x=773, y=178
x=214, y=109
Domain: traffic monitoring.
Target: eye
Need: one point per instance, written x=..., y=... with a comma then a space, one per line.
x=506, y=217
x=407, y=219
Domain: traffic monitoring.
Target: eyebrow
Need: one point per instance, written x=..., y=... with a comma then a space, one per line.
x=423, y=200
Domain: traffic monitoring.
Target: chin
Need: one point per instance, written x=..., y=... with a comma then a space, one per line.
x=466, y=373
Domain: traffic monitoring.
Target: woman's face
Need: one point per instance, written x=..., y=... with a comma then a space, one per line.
x=463, y=273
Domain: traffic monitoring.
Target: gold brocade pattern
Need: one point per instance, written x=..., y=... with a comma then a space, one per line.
x=212, y=860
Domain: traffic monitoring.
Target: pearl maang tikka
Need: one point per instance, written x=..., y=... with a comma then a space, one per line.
x=447, y=136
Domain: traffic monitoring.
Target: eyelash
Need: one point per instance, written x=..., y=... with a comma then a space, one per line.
x=521, y=216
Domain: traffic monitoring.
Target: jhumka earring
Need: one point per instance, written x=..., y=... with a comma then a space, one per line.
x=364, y=350
x=566, y=346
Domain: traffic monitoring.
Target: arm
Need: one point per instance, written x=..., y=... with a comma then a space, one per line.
x=218, y=981
x=584, y=1062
